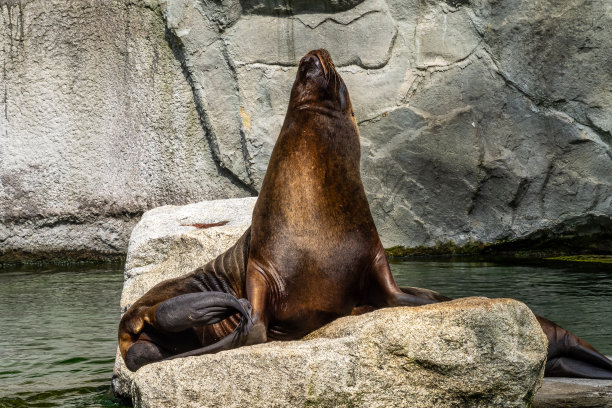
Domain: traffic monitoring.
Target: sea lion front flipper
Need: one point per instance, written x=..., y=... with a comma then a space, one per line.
x=143, y=352
x=424, y=293
x=250, y=331
x=168, y=323
x=384, y=292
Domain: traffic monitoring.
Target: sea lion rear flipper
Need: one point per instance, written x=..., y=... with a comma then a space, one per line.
x=570, y=356
x=196, y=309
x=565, y=366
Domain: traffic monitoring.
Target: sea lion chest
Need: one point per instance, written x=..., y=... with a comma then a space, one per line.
x=313, y=233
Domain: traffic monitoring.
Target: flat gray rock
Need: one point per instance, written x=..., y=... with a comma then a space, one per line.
x=574, y=393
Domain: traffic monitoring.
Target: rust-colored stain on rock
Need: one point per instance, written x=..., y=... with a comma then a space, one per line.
x=211, y=225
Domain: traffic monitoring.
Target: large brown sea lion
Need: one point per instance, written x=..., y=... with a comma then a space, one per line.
x=311, y=255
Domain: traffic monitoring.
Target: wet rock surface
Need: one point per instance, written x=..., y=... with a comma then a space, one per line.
x=481, y=121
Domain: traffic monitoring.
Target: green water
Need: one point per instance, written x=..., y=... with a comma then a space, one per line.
x=58, y=329
x=58, y=335
x=573, y=295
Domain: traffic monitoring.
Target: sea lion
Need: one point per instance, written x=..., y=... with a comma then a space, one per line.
x=311, y=255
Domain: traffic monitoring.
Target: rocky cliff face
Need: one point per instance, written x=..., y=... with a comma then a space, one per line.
x=480, y=120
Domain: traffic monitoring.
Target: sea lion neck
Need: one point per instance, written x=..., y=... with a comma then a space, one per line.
x=313, y=180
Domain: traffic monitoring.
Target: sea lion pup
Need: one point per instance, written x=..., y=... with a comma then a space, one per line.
x=311, y=255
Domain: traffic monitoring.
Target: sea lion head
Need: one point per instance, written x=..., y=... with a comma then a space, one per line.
x=318, y=85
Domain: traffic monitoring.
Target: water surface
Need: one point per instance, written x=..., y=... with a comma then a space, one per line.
x=58, y=336
x=59, y=324
x=577, y=296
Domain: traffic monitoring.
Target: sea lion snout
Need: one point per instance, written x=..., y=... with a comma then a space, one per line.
x=311, y=63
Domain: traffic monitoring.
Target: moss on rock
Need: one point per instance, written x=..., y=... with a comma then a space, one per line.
x=583, y=258
x=441, y=248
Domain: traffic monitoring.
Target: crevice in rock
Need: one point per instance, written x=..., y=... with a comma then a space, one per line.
x=245, y=152
x=50, y=220
x=126, y=62
x=291, y=7
x=460, y=63
x=5, y=97
x=547, y=108
x=353, y=62
x=520, y=192
x=542, y=192
x=61, y=256
x=263, y=64
x=457, y=3
x=595, y=198
x=218, y=13
x=176, y=45
x=334, y=20
x=478, y=190
x=481, y=171
x=356, y=62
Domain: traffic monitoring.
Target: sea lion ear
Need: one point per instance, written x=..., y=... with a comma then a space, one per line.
x=342, y=92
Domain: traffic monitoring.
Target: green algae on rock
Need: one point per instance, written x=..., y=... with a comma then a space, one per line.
x=607, y=259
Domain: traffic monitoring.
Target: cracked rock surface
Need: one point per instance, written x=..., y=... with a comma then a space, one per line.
x=480, y=120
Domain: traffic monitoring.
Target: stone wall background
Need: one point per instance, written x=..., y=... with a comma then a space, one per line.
x=480, y=120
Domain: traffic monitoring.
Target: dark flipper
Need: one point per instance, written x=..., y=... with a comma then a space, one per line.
x=176, y=316
x=424, y=293
x=161, y=323
x=570, y=356
x=565, y=366
x=196, y=309
x=245, y=334
x=144, y=352
x=384, y=292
